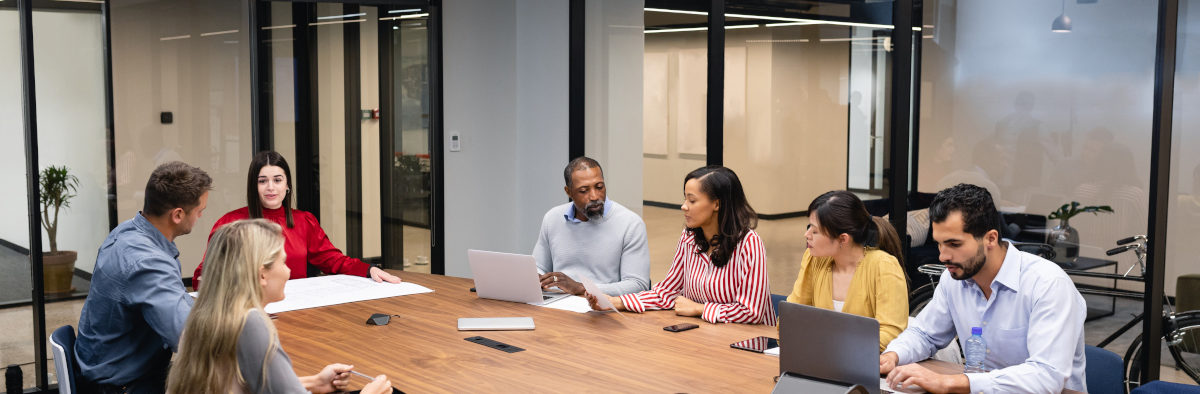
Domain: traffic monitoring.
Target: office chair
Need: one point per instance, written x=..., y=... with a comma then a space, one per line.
x=1104, y=370
x=775, y=300
x=62, y=345
x=1160, y=387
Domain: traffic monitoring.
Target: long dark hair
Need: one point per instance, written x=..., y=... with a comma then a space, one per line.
x=253, y=201
x=735, y=218
x=842, y=212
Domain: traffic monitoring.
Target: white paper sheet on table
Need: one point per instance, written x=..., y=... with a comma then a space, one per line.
x=601, y=298
x=575, y=304
x=338, y=289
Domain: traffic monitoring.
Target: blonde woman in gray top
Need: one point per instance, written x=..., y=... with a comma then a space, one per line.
x=229, y=344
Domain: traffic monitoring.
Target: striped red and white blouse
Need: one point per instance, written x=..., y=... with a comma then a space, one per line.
x=738, y=292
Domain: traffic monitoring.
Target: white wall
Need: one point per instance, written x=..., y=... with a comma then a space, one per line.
x=506, y=94
x=613, y=100
x=69, y=72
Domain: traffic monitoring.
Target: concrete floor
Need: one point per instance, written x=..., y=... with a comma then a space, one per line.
x=783, y=240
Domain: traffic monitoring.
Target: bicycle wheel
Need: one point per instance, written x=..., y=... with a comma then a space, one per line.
x=920, y=297
x=1180, y=339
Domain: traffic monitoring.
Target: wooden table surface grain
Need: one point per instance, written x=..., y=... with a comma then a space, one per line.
x=422, y=351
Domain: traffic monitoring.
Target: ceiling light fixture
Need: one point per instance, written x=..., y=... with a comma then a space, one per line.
x=321, y=18
x=792, y=21
x=1061, y=24
x=699, y=29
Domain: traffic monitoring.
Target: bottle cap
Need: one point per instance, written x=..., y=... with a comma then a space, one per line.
x=976, y=330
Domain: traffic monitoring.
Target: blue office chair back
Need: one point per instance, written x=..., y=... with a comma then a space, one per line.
x=62, y=344
x=775, y=300
x=1161, y=387
x=1105, y=372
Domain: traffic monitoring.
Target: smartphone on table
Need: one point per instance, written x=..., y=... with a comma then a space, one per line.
x=681, y=327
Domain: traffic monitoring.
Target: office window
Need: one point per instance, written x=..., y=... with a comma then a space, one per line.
x=675, y=71
x=16, y=316
x=1182, y=266
x=181, y=91
x=72, y=135
x=1043, y=113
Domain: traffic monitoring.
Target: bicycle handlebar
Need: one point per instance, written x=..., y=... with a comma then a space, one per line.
x=1123, y=241
x=1120, y=249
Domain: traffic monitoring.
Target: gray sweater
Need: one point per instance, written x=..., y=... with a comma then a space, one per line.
x=610, y=250
x=252, y=350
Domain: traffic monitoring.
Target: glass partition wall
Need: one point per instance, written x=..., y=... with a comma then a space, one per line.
x=1050, y=104
x=171, y=80
x=359, y=78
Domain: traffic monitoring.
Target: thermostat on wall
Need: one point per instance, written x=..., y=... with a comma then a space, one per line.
x=455, y=142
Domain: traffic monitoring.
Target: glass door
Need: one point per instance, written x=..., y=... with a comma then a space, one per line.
x=349, y=97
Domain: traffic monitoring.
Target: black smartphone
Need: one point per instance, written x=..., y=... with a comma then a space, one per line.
x=680, y=327
x=756, y=344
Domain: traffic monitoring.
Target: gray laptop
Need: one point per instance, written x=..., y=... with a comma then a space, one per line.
x=508, y=277
x=829, y=345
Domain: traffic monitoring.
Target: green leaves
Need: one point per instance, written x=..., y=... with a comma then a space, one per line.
x=58, y=187
x=1067, y=211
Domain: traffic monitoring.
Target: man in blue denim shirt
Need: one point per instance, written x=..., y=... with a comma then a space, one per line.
x=137, y=305
x=1029, y=310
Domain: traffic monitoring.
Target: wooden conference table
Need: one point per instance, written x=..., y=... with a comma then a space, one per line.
x=423, y=351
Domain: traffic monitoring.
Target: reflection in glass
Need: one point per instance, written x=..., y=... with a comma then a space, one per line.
x=16, y=346
x=410, y=175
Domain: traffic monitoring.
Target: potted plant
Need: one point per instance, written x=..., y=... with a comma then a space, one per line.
x=58, y=186
x=1064, y=238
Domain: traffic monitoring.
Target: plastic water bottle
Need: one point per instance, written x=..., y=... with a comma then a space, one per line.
x=975, y=350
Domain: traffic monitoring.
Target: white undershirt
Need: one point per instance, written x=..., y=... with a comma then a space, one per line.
x=837, y=305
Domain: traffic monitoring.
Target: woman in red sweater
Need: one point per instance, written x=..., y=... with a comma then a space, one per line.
x=268, y=195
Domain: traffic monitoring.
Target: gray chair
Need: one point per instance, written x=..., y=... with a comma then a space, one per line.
x=62, y=345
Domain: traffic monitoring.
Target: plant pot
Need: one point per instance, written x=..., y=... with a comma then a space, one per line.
x=1065, y=240
x=58, y=269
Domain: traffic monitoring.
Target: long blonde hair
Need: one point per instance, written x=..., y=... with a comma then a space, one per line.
x=207, y=359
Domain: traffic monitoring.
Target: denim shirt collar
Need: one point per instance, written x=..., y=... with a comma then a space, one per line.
x=570, y=214
x=160, y=240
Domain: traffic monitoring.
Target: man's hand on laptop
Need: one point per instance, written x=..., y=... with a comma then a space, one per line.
x=904, y=376
x=562, y=282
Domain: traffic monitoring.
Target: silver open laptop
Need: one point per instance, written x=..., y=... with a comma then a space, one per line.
x=508, y=277
x=829, y=345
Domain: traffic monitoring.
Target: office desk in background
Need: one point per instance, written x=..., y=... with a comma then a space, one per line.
x=422, y=350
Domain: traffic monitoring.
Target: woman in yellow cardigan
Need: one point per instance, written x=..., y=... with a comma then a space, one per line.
x=851, y=266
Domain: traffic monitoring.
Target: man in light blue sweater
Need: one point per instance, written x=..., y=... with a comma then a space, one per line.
x=593, y=237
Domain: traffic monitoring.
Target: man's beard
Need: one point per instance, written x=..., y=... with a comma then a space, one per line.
x=594, y=209
x=971, y=267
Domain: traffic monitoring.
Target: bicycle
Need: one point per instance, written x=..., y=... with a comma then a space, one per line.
x=919, y=297
x=1181, y=330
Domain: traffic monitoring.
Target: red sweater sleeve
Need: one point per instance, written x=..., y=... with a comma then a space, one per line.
x=230, y=217
x=322, y=253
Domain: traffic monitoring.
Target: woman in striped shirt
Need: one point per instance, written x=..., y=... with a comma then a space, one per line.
x=720, y=278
